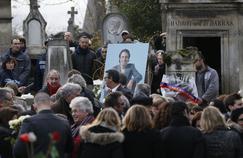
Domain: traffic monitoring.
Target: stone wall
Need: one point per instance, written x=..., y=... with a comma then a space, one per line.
x=5, y=24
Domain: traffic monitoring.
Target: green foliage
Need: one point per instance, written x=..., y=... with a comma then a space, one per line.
x=144, y=16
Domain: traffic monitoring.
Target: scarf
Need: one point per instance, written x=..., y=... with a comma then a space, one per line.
x=52, y=90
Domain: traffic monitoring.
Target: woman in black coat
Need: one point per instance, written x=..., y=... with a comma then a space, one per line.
x=141, y=140
x=102, y=138
x=221, y=142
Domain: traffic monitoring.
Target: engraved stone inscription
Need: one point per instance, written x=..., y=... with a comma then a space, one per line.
x=190, y=23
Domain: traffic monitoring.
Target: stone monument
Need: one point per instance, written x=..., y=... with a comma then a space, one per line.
x=113, y=25
x=5, y=24
x=71, y=20
x=94, y=15
x=215, y=28
x=59, y=58
x=34, y=30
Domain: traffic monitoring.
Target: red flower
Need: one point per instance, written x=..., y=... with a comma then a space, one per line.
x=55, y=136
x=24, y=137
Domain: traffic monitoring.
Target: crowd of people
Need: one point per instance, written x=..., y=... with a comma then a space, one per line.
x=127, y=123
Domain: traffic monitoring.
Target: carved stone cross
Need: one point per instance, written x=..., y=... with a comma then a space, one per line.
x=72, y=12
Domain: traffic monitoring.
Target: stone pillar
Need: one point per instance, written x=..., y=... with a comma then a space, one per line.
x=5, y=24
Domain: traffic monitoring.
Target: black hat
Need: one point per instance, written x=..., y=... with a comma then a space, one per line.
x=235, y=114
x=142, y=99
x=178, y=108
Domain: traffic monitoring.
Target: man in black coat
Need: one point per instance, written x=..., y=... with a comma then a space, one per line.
x=83, y=60
x=179, y=139
x=44, y=123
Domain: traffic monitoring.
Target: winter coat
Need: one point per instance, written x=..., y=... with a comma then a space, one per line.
x=7, y=76
x=180, y=140
x=209, y=84
x=223, y=143
x=23, y=66
x=5, y=142
x=143, y=144
x=42, y=125
x=62, y=107
x=83, y=61
x=101, y=142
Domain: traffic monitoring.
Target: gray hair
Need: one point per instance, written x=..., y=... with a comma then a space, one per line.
x=142, y=88
x=82, y=103
x=69, y=88
x=42, y=98
x=78, y=79
x=3, y=93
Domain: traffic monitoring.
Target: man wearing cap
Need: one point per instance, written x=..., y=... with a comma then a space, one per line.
x=125, y=35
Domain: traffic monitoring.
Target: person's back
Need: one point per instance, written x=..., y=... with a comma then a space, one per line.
x=179, y=139
x=44, y=124
x=102, y=138
x=223, y=143
x=182, y=141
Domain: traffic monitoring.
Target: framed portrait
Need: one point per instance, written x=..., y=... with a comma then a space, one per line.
x=128, y=59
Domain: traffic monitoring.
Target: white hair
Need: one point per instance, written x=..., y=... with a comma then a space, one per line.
x=82, y=103
x=69, y=88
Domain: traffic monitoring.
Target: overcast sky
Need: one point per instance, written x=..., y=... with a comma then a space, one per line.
x=53, y=11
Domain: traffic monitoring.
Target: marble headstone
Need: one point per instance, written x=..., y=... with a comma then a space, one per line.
x=113, y=25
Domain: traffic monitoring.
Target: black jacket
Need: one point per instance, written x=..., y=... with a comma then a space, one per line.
x=7, y=76
x=5, y=142
x=143, y=144
x=42, y=125
x=180, y=140
x=223, y=143
x=83, y=61
x=101, y=142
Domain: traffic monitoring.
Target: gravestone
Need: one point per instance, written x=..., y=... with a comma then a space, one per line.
x=58, y=58
x=113, y=25
x=215, y=28
x=5, y=24
x=34, y=30
x=71, y=20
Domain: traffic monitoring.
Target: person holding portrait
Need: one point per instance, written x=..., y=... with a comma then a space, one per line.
x=132, y=74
